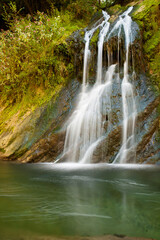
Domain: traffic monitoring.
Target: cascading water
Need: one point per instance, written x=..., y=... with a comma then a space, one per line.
x=102, y=35
x=85, y=129
x=76, y=139
x=127, y=151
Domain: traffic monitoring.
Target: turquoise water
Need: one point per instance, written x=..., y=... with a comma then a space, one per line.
x=79, y=200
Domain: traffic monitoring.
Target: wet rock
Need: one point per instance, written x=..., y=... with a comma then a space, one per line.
x=45, y=150
x=39, y=127
x=76, y=43
x=148, y=147
x=39, y=136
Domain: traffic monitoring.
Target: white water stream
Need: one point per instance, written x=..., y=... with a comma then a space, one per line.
x=127, y=151
x=85, y=129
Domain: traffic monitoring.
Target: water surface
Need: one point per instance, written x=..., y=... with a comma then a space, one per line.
x=79, y=200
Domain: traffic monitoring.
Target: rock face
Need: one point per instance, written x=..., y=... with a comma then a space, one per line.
x=39, y=136
x=40, y=128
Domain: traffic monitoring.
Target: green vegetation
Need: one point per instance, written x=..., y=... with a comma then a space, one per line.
x=147, y=15
x=79, y=7
x=116, y=9
x=35, y=59
x=94, y=39
x=34, y=56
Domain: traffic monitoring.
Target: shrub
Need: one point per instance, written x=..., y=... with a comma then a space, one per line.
x=33, y=54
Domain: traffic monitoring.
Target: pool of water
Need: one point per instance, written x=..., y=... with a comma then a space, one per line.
x=79, y=200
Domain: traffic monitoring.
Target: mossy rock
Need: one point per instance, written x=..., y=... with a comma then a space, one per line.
x=147, y=15
x=94, y=39
x=116, y=9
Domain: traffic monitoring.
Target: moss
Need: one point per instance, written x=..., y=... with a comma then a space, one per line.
x=114, y=9
x=147, y=15
x=6, y=114
x=82, y=33
x=155, y=70
x=2, y=150
x=158, y=132
x=94, y=39
x=152, y=42
x=19, y=153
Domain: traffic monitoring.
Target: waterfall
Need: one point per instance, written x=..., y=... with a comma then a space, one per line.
x=102, y=35
x=87, y=38
x=85, y=130
x=127, y=151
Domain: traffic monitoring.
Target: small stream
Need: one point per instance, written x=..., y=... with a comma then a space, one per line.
x=67, y=200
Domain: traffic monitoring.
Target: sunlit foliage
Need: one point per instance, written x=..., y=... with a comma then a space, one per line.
x=34, y=53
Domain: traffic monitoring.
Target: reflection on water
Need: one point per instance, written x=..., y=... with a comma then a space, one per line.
x=79, y=200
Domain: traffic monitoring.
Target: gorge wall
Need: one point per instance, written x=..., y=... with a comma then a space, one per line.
x=39, y=135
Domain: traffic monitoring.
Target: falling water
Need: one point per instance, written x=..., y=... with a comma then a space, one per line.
x=127, y=151
x=102, y=35
x=85, y=129
x=87, y=39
